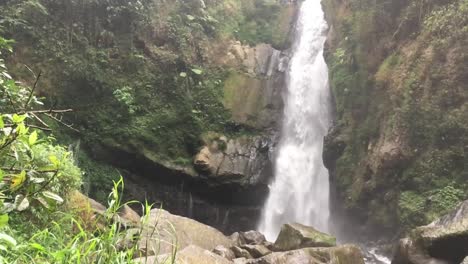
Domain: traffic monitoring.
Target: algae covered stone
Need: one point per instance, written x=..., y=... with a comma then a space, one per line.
x=296, y=236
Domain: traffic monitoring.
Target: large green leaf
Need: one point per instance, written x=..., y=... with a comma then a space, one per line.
x=53, y=196
x=3, y=220
x=197, y=71
x=32, y=138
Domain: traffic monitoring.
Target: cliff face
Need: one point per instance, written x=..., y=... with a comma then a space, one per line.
x=177, y=93
x=398, y=72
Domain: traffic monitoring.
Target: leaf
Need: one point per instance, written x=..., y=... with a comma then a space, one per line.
x=54, y=160
x=18, y=118
x=1, y=175
x=3, y=220
x=21, y=202
x=8, y=239
x=2, y=124
x=197, y=71
x=190, y=18
x=183, y=74
x=18, y=180
x=37, y=246
x=33, y=138
x=53, y=196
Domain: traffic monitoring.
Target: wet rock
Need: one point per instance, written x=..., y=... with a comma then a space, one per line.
x=296, y=236
x=443, y=241
x=224, y=252
x=165, y=232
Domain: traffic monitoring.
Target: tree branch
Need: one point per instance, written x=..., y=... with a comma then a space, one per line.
x=32, y=90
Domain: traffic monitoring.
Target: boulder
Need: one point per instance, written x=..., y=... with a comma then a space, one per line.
x=257, y=251
x=93, y=213
x=465, y=261
x=253, y=237
x=241, y=253
x=296, y=236
x=237, y=239
x=239, y=261
x=224, y=252
x=190, y=255
x=443, y=241
x=346, y=254
x=128, y=217
x=165, y=232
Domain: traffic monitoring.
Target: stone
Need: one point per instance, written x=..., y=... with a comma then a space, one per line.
x=128, y=217
x=241, y=253
x=240, y=261
x=346, y=254
x=296, y=236
x=257, y=251
x=189, y=255
x=164, y=232
x=224, y=252
x=442, y=241
x=237, y=239
x=253, y=237
x=465, y=261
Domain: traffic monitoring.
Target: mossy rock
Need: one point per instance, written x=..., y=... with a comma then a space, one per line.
x=296, y=236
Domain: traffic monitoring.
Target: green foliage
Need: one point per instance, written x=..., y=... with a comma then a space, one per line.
x=125, y=96
x=415, y=209
x=71, y=240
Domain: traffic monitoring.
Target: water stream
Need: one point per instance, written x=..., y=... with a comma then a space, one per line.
x=300, y=190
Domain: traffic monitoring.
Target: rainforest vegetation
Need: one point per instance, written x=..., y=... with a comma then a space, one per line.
x=94, y=89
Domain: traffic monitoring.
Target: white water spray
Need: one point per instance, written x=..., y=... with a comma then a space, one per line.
x=300, y=190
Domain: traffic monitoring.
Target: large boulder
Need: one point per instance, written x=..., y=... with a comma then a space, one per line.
x=165, y=232
x=443, y=241
x=346, y=254
x=296, y=236
x=189, y=255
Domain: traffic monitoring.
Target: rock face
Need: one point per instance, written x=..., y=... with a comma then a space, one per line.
x=253, y=92
x=164, y=232
x=398, y=95
x=297, y=236
x=443, y=241
x=346, y=254
x=243, y=161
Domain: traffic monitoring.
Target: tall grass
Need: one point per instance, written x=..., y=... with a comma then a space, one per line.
x=72, y=239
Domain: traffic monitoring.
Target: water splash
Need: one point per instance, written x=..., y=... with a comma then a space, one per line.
x=300, y=190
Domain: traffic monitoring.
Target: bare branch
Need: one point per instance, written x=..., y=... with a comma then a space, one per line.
x=61, y=122
x=32, y=90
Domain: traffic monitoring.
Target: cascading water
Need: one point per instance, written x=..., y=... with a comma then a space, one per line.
x=300, y=190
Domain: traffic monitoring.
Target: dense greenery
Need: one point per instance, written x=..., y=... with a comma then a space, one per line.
x=40, y=222
x=397, y=71
x=142, y=76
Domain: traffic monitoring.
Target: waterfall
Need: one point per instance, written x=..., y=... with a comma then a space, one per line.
x=300, y=190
